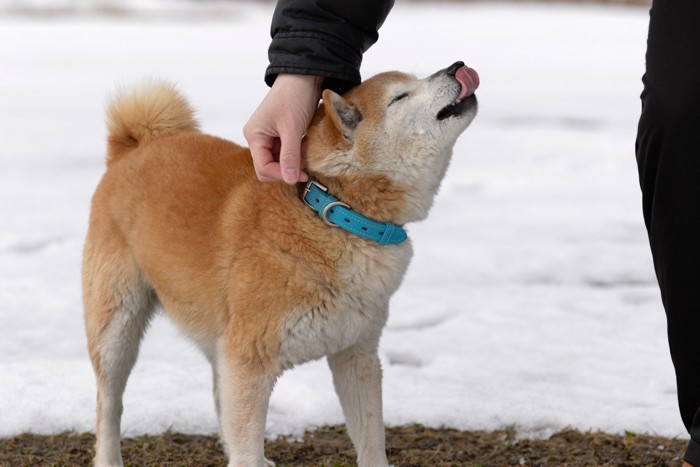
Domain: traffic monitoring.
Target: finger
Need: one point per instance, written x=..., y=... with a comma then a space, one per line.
x=266, y=168
x=290, y=156
x=269, y=172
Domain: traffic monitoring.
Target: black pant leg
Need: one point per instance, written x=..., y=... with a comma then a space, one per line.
x=668, y=157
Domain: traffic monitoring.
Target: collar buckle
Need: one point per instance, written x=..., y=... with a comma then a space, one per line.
x=307, y=190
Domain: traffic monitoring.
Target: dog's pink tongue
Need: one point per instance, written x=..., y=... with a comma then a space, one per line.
x=469, y=79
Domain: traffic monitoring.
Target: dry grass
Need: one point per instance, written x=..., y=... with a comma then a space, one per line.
x=408, y=446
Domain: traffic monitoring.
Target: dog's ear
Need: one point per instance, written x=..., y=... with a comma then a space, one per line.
x=344, y=116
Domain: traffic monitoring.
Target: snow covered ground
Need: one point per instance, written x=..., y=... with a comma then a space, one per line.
x=531, y=300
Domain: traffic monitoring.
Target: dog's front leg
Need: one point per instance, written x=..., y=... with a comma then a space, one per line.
x=244, y=391
x=357, y=376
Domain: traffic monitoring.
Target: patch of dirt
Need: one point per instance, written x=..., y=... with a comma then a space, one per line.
x=407, y=446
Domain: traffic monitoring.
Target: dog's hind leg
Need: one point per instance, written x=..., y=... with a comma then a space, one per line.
x=357, y=376
x=118, y=306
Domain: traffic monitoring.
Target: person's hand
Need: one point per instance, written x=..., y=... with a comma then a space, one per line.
x=275, y=130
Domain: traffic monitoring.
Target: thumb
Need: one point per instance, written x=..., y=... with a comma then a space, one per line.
x=290, y=156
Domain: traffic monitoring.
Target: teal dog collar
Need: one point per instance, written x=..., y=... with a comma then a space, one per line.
x=336, y=213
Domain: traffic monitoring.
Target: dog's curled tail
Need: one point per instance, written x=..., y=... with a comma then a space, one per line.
x=143, y=113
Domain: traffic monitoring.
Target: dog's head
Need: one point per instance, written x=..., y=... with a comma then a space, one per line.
x=397, y=128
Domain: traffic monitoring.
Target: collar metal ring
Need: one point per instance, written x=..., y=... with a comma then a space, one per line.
x=328, y=207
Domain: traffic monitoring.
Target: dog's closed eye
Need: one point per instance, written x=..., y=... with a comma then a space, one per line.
x=398, y=98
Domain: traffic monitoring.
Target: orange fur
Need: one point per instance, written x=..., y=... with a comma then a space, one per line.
x=245, y=269
x=144, y=113
x=216, y=245
x=225, y=255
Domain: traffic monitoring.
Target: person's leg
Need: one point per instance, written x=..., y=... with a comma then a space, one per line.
x=668, y=156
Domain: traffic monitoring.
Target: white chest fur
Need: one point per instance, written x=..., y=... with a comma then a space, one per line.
x=357, y=309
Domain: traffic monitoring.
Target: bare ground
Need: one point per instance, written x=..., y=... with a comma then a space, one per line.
x=407, y=446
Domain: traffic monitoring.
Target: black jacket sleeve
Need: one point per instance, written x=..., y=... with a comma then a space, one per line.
x=324, y=38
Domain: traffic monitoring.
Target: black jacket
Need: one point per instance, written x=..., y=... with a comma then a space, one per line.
x=324, y=38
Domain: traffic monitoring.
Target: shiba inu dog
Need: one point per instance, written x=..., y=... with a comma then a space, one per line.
x=263, y=277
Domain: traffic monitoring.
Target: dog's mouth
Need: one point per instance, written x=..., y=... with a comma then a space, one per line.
x=468, y=80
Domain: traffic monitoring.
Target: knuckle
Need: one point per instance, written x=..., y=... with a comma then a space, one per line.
x=247, y=130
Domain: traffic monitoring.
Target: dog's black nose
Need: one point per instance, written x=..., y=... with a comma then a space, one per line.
x=454, y=67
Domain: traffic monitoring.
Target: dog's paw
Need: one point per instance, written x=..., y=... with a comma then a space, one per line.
x=269, y=463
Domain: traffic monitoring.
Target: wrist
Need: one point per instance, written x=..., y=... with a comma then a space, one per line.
x=309, y=82
x=307, y=79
